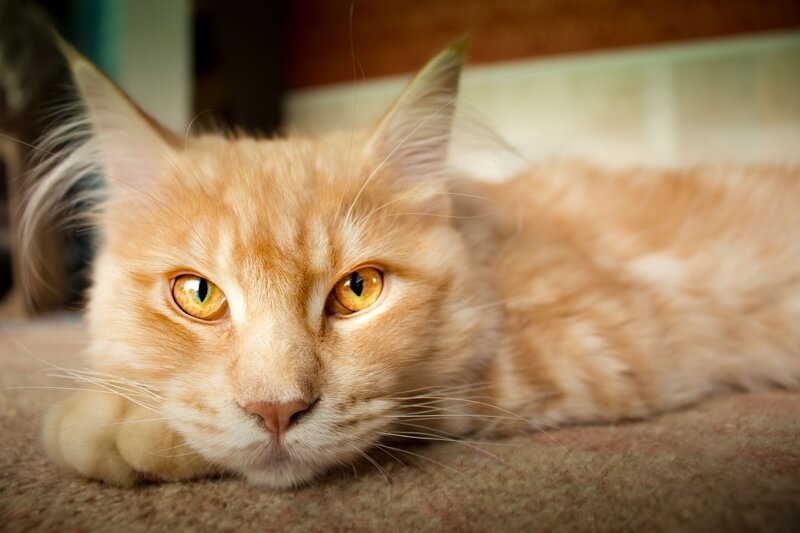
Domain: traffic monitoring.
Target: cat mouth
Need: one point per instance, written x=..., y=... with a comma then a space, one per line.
x=302, y=453
x=274, y=455
x=279, y=464
x=277, y=454
x=279, y=469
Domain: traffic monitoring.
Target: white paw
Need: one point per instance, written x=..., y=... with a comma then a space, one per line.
x=106, y=437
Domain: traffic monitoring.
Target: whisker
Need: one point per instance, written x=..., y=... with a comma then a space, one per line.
x=29, y=145
x=374, y=463
x=428, y=428
x=61, y=388
x=100, y=384
x=108, y=378
x=491, y=406
x=436, y=438
x=113, y=384
x=112, y=377
x=448, y=388
x=464, y=415
x=197, y=457
x=459, y=438
x=400, y=450
x=174, y=455
x=390, y=454
x=66, y=370
x=191, y=123
x=433, y=411
x=452, y=437
x=77, y=374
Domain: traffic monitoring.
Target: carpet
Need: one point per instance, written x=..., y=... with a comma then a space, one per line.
x=731, y=463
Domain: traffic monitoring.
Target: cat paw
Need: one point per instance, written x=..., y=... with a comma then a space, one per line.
x=108, y=438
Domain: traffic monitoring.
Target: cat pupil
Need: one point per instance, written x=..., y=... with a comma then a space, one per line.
x=356, y=283
x=202, y=290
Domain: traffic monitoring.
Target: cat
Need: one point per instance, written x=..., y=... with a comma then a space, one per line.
x=273, y=308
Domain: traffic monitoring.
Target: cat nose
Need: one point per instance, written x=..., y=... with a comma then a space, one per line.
x=278, y=417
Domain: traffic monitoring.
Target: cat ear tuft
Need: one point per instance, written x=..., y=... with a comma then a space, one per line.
x=131, y=145
x=415, y=133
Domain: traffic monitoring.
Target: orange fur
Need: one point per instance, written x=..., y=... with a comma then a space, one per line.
x=567, y=294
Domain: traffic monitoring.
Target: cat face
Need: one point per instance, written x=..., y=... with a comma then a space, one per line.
x=277, y=228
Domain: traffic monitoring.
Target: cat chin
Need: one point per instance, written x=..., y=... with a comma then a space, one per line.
x=282, y=477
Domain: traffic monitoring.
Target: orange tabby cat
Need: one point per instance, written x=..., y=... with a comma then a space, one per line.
x=272, y=308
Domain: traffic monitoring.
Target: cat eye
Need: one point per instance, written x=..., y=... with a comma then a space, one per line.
x=199, y=297
x=356, y=291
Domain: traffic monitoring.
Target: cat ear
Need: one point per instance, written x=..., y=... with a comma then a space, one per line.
x=131, y=145
x=414, y=134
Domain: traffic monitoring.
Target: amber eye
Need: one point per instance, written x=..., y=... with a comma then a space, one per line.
x=199, y=297
x=356, y=291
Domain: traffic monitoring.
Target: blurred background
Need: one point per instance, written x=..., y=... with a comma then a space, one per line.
x=657, y=82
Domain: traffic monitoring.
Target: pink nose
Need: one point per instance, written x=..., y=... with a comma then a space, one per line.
x=278, y=417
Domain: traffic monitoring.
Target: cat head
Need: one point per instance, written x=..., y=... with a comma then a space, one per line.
x=285, y=297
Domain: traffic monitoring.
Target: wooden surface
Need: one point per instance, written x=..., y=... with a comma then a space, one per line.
x=396, y=36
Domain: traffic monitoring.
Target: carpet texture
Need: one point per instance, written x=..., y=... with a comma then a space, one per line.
x=730, y=464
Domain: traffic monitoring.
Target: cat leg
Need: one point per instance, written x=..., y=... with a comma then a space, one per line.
x=107, y=437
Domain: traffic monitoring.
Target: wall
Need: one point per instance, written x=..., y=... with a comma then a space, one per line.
x=730, y=100
x=155, y=65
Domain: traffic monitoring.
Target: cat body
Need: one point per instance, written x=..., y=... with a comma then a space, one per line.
x=629, y=293
x=567, y=294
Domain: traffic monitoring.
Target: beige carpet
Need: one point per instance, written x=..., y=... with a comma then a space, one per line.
x=730, y=464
